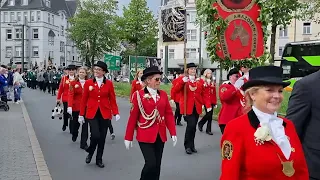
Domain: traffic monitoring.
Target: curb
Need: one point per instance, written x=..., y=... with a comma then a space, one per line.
x=41, y=164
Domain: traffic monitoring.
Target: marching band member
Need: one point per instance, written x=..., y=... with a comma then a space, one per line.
x=63, y=92
x=175, y=97
x=259, y=144
x=209, y=86
x=74, y=101
x=137, y=84
x=193, y=104
x=150, y=115
x=98, y=104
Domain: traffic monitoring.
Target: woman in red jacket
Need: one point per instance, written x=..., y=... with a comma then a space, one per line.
x=209, y=88
x=136, y=84
x=175, y=97
x=260, y=145
x=150, y=115
x=98, y=104
x=74, y=101
x=63, y=93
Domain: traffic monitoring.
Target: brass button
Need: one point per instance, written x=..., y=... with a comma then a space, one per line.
x=98, y=100
x=98, y=96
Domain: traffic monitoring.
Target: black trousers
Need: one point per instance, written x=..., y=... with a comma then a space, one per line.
x=207, y=119
x=98, y=130
x=53, y=88
x=222, y=126
x=111, y=128
x=76, y=126
x=66, y=116
x=177, y=115
x=152, y=153
x=190, y=134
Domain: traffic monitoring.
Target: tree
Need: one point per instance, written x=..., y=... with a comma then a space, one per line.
x=139, y=29
x=93, y=29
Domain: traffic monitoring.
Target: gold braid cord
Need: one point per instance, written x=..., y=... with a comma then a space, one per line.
x=148, y=117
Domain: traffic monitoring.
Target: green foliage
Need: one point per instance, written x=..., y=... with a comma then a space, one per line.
x=93, y=28
x=139, y=29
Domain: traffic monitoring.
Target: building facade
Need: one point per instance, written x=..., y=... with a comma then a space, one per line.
x=46, y=41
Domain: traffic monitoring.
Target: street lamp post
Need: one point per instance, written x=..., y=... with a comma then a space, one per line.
x=22, y=53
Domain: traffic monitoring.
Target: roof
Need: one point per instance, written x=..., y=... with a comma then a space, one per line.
x=305, y=42
x=69, y=6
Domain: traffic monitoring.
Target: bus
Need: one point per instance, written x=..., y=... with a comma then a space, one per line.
x=300, y=59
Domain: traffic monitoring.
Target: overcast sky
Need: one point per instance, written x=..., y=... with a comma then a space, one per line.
x=153, y=5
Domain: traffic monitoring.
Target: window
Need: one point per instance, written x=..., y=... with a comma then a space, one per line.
x=5, y=17
x=280, y=51
x=62, y=16
x=10, y=2
x=72, y=50
x=19, y=16
x=306, y=28
x=51, y=40
x=9, y=34
x=12, y=19
x=62, y=30
x=68, y=55
x=18, y=50
x=35, y=51
x=51, y=54
x=49, y=18
x=33, y=18
x=283, y=32
x=48, y=3
x=192, y=35
x=161, y=53
x=18, y=33
x=24, y=2
x=52, y=19
x=8, y=51
x=61, y=46
x=38, y=16
x=191, y=53
x=191, y=17
x=171, y=53
x=25, y=16
x=35, y=33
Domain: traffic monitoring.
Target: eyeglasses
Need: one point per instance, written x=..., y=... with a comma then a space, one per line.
x=157, y=79
x=97, y=69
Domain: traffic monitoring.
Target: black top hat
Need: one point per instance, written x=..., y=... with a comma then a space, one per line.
x=102, y=65
x=150, y=71
x=265, y=75
x=190, y=65
x=232, y=72
x=71, y=67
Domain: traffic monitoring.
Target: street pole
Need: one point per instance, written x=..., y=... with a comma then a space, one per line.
x=200, y=47
x=166, y=59
x=22, y=55
x=185, y=55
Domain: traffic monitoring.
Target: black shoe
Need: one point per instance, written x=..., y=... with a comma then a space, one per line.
x=188, y=151
x=88, y=158
x=64, y=128
x=200, y=128
x=179, y=124
x=209, y=133
x=74, y=138
x=113, y=136
x=194, y=150
x=100, y=164
x=85, y=147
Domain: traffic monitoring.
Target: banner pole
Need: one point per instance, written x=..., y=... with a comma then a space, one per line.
x=185, y=57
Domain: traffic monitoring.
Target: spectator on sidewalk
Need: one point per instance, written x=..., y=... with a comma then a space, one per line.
x=10, y=83
x=3, y=84
x=17, y=85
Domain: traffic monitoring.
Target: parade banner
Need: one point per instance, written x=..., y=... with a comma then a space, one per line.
x=172, y=23
x=139, y=62
x=243, y=37
x=154, y=61
x=113, y=62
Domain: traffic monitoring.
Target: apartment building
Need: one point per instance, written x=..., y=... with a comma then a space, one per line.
x=46, y=41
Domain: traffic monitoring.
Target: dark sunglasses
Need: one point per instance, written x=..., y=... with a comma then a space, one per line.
x=157, y=79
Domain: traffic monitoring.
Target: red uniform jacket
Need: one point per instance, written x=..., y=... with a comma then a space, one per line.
x=210, y=93
x=230, y=101
x=95, y=97
x=64, y=89
x=135, y=86
x=194, y=98
x=174, y=96
x=242, y=159
x=163, y=121
x=75, y=95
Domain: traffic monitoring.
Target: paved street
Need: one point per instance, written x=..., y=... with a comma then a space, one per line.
x=66, y=160
x=16, y=156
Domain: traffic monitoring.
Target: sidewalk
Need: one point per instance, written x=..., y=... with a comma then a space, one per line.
x=21, y=157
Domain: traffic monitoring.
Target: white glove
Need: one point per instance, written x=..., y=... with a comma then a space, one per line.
x=81, y=119
x=69, y=110
x=117, y=117
x=185, y=79
x=171, y=101
x=174, y=139
x=239, y=83
x=209, y=109
x=128, y=144
x=215, y=106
